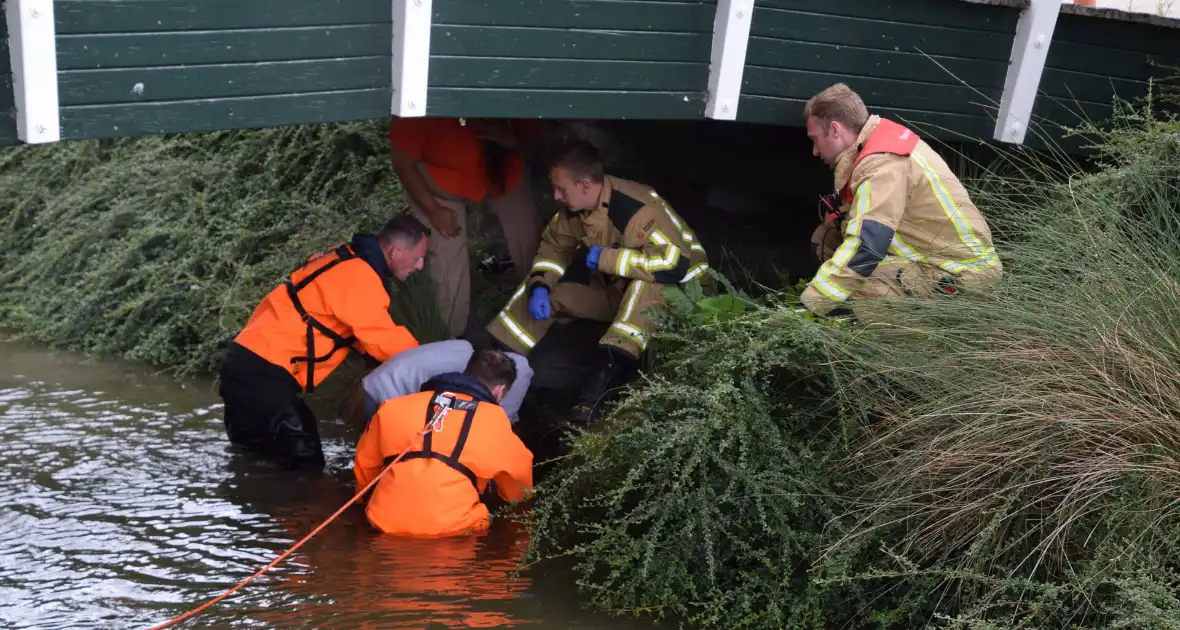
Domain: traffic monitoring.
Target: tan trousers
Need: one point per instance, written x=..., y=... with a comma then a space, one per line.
x=448, y=261
x=599, y=300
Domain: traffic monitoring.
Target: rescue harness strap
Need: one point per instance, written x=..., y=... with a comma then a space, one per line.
x=338, y=341
x=468, y=408
x=360, y=493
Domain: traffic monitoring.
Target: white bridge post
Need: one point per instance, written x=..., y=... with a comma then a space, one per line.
x=731, y=33
x=411, y=56
x=1030, y=49
x=33, y=52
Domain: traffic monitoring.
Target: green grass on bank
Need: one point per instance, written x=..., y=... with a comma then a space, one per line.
x=1004, y=461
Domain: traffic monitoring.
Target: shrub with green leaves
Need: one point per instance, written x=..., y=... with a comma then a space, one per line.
x=158, y=248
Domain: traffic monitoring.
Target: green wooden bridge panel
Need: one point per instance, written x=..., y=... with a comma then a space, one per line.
x=567, y=103
x=1091, y=61
x=765, y=52
x=957, y=15
x=138, y=50
x=566, y=74
x=155, y=16
x=481, y=42
x=624, y=58
x=174, y=83
x=937, y=65
x=607, y=15
x=133, y=119
x=132, y=67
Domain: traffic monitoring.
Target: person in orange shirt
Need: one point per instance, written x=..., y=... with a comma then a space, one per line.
x=446, y=164
x=337, y=301
x=460, y=444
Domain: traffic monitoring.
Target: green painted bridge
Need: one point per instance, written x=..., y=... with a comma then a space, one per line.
x=987, y=69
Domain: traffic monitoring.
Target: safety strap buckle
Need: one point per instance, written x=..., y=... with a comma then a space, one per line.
x=443, y=402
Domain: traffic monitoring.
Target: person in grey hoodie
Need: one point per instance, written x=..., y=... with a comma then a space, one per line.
x=407, y=371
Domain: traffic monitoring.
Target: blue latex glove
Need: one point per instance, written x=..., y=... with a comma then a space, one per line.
x=592, y=257
x=539, y=303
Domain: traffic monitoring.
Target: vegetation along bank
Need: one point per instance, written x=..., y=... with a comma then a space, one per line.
x=997, y=463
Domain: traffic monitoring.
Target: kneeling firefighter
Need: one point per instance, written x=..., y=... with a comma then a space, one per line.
x=605, y=258
x=338, y=300
x=910, y=228
x=461, y=444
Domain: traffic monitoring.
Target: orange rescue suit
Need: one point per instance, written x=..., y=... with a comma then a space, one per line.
x=434, y=491
x=334, y=302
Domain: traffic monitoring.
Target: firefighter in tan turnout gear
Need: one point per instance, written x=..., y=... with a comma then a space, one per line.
x=909, y=227
x=605, y=257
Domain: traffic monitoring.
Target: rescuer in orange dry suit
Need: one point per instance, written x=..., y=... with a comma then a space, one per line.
x=435, y=489
x=337, y=301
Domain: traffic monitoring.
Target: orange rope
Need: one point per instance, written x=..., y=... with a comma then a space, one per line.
x=199, y=609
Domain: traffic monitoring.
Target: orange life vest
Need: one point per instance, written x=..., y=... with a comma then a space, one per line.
x=435, y=489
x=888, y=137
x=311, y=317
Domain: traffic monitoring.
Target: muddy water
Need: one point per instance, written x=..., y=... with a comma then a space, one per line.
x=121, y=507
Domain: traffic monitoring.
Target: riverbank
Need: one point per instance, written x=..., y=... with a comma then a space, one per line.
x=992, y=464
x=988, y=463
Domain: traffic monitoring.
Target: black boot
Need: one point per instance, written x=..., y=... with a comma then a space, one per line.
x=296, y=438
x=614, y=366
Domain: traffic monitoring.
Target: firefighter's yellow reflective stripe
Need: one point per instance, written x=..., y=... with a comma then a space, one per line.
x=695, y=271
x=899, y=246
x=986, y=256
x=823, y=279
x=671, y=253
x=510, y=324
x=634, y=333
x=628, y=257
x=953, y=267
x=864, y=194
x=630, y=298
x=684, y=234
x=690, y=238
x=549, y=265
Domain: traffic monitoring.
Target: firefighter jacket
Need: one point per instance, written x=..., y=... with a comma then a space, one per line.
x=641, y=236
x=434, y=490
x=336, y=301
x=904, y=207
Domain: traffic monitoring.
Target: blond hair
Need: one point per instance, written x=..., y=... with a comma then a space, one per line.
x=840, y=104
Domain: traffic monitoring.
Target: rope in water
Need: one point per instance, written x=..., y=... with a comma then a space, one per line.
x=203, y=607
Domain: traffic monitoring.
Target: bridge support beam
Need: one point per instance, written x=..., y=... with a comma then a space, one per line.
x=731, y=33
x=33, y=52
x=1030, y=49
x=411, y=56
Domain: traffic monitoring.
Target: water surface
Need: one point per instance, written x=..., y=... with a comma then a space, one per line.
x=121, y=506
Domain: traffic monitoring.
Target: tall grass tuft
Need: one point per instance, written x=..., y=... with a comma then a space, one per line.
x=1001, y=461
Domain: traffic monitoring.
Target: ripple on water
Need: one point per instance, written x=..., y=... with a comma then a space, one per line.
x=119, y=510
